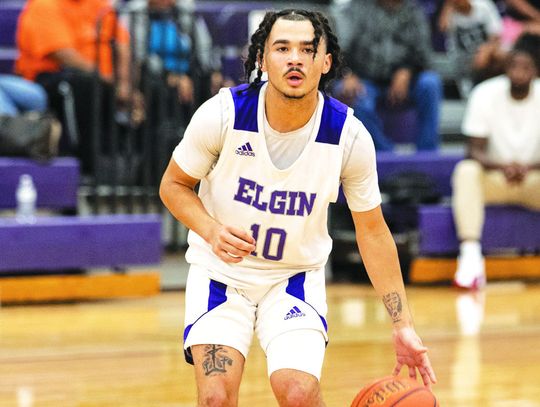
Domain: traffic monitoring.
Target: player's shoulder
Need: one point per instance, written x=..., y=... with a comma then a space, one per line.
x=211, y=115
x=214, y=104
x=357, y=130
x=335, y=106
x=333, y=123
x=244, y=90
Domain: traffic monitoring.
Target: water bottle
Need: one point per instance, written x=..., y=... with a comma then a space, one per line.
x=26, y=199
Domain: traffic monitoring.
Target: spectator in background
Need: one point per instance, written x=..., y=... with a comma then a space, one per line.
x=175, y=46
x=58, y=41
x=474, y=30
x=503, y=167
x=18, y=95
x=387, y=46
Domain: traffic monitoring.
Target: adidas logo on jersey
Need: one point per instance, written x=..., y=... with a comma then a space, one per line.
x=245, y=149
x=294, y=313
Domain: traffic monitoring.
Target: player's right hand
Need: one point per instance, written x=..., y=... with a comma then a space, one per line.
x=412, y=353
x=231, y=244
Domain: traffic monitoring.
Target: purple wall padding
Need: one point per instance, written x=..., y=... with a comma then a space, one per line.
x=61, y=242
x=9, y=14
x=400, y=125
x=56, y=181
x=506, y=227
x=438, y=165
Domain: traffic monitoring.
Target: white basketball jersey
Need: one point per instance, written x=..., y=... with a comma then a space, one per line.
x=284, y=209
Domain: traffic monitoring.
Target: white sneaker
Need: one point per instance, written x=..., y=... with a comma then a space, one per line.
x=470, y=273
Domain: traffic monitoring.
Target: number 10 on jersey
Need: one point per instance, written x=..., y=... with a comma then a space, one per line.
x=273, y=241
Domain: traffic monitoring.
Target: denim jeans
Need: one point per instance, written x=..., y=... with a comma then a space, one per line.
x=425, y=93
x=19, y=95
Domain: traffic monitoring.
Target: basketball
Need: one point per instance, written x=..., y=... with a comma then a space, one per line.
x=395, y=391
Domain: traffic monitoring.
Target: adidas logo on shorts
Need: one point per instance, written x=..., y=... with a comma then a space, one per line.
x=294, y=313
x=245, y=149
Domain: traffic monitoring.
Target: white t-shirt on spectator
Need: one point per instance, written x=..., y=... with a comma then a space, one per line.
x=469, y=31
x=511, y=126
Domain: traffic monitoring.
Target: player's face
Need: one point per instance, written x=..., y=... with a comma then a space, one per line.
x=521, y=70
x=288, y=58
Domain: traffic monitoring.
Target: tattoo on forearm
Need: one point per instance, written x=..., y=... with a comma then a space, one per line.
x=215, y=360
x=392, y=302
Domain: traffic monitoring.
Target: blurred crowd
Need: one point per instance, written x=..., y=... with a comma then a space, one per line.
x=120, y=60
x=155, y=62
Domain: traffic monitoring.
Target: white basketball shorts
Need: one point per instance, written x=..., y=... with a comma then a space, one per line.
x=222, y=315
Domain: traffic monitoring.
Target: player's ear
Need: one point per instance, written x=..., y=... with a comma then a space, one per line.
x=327, y=63
x=261, y=62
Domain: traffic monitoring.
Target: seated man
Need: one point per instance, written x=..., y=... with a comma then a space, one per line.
x=387, y=46
x=57, y=42
x=502, y=124
x=175, y=47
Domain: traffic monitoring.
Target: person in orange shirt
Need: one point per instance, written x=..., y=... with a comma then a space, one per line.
x=58, y=41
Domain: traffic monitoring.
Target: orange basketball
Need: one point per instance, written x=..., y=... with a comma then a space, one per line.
x=395, y=391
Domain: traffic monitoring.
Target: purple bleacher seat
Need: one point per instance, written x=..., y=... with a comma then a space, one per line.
x=438, y=165
x=62, y=242
x=56, y=181
x=506, y=227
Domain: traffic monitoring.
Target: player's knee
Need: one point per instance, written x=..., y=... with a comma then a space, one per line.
x=216, y=397
x=296, y=393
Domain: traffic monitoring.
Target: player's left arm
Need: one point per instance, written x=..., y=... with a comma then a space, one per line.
x=380, y=256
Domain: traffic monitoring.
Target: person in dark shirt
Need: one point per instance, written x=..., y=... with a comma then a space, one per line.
x=387, y=46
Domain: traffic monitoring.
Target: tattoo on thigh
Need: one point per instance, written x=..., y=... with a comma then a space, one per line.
x=392, y=302
x=215, y=360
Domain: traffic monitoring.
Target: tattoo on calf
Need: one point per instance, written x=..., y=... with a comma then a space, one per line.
x=215, y=360
x=392, y=302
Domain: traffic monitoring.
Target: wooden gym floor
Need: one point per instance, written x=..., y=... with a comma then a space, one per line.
x=485, y=348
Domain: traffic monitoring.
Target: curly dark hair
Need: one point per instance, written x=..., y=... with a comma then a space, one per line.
x=528, y=44
x=321, y=27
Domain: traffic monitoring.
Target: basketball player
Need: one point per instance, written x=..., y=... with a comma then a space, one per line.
x=270, y=157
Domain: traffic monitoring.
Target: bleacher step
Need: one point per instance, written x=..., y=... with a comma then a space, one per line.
x=80, y=242
x=57, y=288
x=434, y=270
x=506, y=227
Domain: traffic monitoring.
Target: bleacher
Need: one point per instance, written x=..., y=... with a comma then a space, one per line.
x=57, y=181
x=55, y=251
x=428, y=249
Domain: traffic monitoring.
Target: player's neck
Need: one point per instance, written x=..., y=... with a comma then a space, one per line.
x=288, y=114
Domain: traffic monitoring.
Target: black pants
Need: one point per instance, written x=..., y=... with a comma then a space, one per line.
x=94, y=109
